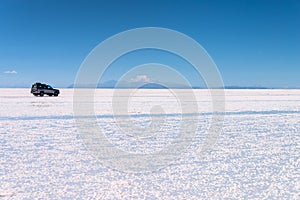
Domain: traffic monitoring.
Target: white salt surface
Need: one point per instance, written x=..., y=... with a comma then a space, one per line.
x=256, y=155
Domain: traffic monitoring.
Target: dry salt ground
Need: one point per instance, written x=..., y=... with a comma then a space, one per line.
x=256, y=155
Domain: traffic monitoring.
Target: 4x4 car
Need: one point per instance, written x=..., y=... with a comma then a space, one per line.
x=41, y=89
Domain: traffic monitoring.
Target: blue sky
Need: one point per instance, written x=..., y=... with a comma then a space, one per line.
x=253, y=43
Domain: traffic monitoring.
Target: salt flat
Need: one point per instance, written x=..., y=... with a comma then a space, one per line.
x=256, y=155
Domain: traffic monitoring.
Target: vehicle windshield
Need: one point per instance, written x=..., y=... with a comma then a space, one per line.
x=49, y=87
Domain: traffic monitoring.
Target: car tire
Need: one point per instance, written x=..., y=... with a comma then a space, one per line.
x=41, y=94
x=55, y=94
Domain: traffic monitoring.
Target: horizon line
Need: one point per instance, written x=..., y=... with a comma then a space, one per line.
x=193, y=87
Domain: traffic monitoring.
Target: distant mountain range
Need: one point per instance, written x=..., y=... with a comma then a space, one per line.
x=247, y=87
x=147, y=85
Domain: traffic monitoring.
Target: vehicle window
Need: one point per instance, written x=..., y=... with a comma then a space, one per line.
x=49, y=87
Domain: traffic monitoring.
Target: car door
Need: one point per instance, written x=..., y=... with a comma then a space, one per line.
x=50, y=90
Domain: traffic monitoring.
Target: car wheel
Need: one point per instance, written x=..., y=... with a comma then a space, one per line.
x=55, y=94
x=41, y=94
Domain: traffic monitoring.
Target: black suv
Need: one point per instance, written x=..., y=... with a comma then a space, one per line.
x=41, y=89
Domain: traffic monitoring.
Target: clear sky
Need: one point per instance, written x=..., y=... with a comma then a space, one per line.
x=253, y=42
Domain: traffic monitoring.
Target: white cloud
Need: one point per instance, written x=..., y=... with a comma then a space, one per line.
x=10, y=72
x=141, y=78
